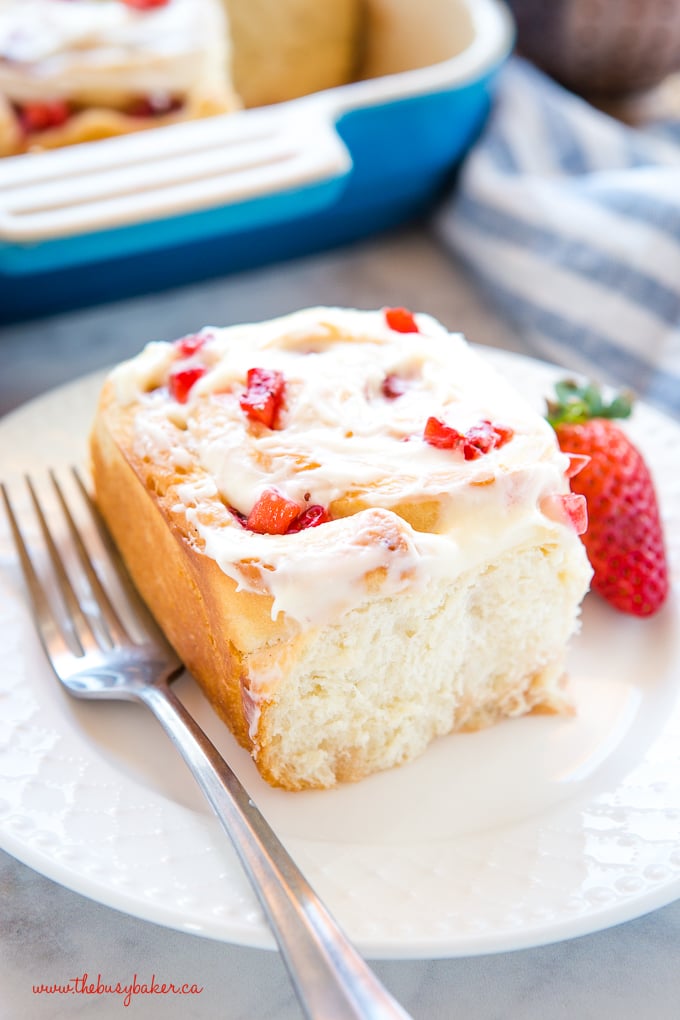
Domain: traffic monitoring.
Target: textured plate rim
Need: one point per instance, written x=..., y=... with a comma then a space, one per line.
x=622, y=898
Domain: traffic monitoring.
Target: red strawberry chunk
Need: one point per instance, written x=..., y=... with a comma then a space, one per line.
x=272, y=513
x=155, y=104
x=503, y=434
x=567, y=508
x=438, y=434
x=186, y=346
x=40, y=116
x=576, y=508
x=182, y=380
x=394, y=386
x=264, y=395
x=401, y=320
x=484, y=437
x=312, y=517
x=477, y=440
x=145, y=5
x=577, y=462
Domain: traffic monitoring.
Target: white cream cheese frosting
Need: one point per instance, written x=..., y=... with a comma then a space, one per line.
x=341, y=442
x=103, y=51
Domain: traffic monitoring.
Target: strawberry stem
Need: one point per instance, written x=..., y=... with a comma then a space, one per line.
x=574, y=403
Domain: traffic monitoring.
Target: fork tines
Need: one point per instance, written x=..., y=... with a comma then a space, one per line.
x=63, y=548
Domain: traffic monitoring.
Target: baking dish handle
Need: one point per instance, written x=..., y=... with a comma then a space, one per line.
x=289, y=158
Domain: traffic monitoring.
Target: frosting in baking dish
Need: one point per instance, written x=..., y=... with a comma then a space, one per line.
x=402, y=510
x=103, y=51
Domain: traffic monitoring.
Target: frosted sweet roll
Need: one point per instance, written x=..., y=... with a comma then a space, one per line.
x=355, y=532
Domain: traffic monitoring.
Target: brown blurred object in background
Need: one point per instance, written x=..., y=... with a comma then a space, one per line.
x=284, y=49
x=601, y=48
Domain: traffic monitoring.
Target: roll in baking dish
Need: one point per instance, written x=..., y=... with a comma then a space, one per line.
x=80, y=70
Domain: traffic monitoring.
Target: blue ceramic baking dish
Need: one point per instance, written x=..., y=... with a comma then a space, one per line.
x=129, y=215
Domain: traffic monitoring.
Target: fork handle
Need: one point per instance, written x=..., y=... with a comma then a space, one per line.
x=330, y=978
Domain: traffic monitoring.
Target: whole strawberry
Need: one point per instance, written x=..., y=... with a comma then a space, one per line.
x=624, y=539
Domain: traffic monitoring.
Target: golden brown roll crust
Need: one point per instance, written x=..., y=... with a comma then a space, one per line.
x=188, y=594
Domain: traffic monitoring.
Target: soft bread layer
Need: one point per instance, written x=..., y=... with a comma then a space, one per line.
x=374, y=690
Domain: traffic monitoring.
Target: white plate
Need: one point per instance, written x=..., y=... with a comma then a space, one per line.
x=537, y=830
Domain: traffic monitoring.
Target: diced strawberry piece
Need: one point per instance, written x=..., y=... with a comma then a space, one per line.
x=484, y=437
x=438, y=434
x=186, y=346
x=394, y=386
x=40, y=116
x=272, y=513
x=145, y=5
x=182, y=380
x=479, y=439
x=576, y=508
x=264, y=395
x=312, y=517
x=504, y=434
x=155, y=104
x=567, y=508
x=577, y=462
x=401, y=320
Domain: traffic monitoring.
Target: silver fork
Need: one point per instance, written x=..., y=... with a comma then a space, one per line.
x=94, y=655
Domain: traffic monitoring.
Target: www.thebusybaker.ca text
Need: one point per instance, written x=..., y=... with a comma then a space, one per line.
x=83, y=985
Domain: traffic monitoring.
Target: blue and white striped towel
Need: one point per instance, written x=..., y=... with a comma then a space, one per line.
x=570, y=221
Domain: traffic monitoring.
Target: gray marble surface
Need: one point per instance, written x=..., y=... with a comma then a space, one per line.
x=51, y=935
